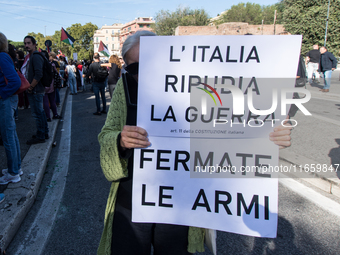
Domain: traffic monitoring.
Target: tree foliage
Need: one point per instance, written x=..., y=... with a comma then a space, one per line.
x=308, y=18
x=83, y=44
x=166, y=21
x=252, y=13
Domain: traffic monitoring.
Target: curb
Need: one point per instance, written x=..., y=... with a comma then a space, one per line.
x=23, y=194
x=326, y=181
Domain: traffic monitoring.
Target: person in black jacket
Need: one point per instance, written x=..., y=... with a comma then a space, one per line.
x=98, y=84
x=327, y=64
x=33, y=71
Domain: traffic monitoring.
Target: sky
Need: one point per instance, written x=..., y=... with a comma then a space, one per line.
x=20, y=17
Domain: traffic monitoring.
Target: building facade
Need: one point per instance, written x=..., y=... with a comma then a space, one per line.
x=109, y=35
x=115, y=35
x=141, y=23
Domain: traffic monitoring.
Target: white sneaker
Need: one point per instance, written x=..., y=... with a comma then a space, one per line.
x=7, y=178
x=5, y=171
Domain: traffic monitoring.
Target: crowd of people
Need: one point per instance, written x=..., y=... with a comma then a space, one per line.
x=320, y=61
x=42, y=96
x=118, y=138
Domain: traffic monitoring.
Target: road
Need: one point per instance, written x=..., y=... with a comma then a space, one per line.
x=306, y=226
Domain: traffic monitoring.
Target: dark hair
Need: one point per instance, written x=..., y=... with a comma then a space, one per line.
x=32, y=39
x=21, y=54
x=45, y=53
x=11, y=51
x=96, y=56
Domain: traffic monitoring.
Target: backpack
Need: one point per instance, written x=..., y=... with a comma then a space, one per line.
x=57, y=79
x=48, y=75
x=101, y=74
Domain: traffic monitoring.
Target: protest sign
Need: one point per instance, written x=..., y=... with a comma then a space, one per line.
x=174, y=100
x=195, y=96
x=163, y=191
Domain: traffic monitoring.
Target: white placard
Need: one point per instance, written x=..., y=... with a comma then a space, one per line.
x=75, y=56
x=196, y=172
x=174, y=99
x=165, y=192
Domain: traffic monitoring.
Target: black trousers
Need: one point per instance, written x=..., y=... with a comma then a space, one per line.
x=130, y=238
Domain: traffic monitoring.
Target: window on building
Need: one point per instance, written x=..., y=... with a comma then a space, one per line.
x=129, y=29
x=141, y=26
x=96, y=39
x=107, y=31
x=118, y=31
x=148, y=25
x=113, y=46
x=107, y=38
x=113, y=31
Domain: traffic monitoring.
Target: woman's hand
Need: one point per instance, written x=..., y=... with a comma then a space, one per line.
x=281, y=136
x=134, y=137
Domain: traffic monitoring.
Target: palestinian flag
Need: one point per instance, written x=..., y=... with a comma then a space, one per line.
x=103, y=50
x=66, y=38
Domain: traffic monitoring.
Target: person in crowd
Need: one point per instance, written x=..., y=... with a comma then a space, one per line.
x=98, y=85
x=115, y=67
x=71, y=74
x=8, y=104
x=327, y=65
x=62, y=64
x=122, y=63
x=13, y=54
x=23, y=99
x=50, y=93
x=312, y=63
x=118, y=138
x=80, y=71
x=77, y=73
x=53, y=59
x=33, y=70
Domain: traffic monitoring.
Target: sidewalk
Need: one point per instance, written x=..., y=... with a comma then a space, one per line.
x=21, y=196
x=323, y=150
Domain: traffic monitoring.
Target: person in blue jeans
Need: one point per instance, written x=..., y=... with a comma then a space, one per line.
x=8, y=104
x=34, y=73
x=327, y=65
x=71, y=72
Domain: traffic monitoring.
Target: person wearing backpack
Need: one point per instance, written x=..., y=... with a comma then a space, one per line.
x=35, y=70
x=98, y=75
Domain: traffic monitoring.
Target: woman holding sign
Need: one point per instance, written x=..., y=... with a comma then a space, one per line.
x=118, y=138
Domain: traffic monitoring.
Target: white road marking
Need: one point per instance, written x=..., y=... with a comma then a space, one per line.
x=324, y=202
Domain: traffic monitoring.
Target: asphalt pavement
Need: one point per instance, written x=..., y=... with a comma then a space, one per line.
x=20, y=196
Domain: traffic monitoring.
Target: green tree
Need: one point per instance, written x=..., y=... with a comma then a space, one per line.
x=252, y=13
x=166, y=21
x=18, y=45
x=308, y=18
x=83, y=44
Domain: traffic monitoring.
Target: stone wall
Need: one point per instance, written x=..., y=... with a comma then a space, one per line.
x=232, y=28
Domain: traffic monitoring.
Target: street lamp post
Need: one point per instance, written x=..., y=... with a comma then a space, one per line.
x=327, y=23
